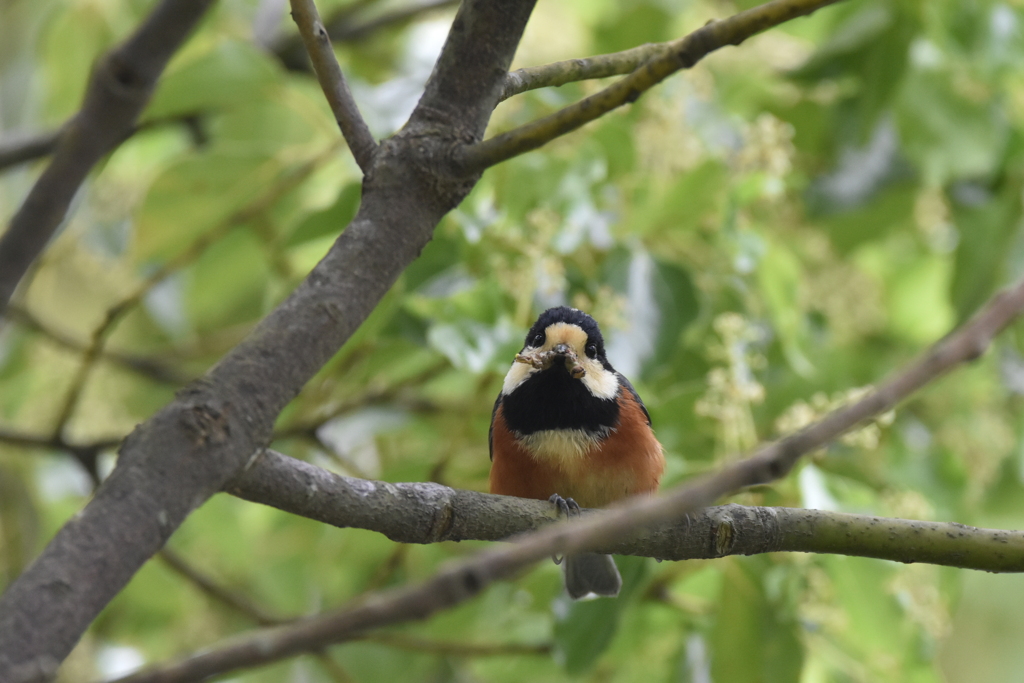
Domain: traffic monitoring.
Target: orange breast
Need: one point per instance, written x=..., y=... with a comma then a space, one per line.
x=628, y=462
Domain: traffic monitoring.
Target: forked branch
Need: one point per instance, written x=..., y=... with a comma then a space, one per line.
x=461, y=581
x=120, y=88
x=677, y=55
x=332, y=81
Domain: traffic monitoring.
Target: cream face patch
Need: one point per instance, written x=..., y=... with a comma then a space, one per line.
x=598, y=381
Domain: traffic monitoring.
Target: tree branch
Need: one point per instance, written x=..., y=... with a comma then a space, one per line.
x=143, y=365
x=191, y=448
x=120, y=88
x=345, y=30
x=22, y=149
x=586, y=68
x=344, y=26
x=403, y=641
x=332, y=81
x=222, y=594
x=637, y=517
x=680, y=54
x=431, y=513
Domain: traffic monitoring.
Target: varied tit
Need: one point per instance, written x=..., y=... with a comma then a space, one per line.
x=567, y=424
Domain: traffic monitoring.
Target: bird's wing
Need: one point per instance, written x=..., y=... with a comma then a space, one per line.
x=490, y=431
x=629, y=387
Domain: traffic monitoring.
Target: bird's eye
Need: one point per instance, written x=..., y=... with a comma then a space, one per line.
x=591, y=350
x=538, y=340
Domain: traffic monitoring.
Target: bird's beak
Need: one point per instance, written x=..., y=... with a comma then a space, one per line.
x=543, y=360
x=568, y=356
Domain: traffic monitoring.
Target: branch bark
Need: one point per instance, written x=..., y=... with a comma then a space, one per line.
x=586, y=68
x=431, y=513
x=143, y=365
x=121, y=84
x=190, y=449
x=19, y=150
x=680, y=54
x=332, y=81
x=629, y=520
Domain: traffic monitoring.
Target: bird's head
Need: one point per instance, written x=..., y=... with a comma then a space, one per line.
x=565, y=341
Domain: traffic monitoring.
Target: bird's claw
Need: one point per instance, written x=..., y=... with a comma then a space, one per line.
x=567, y=507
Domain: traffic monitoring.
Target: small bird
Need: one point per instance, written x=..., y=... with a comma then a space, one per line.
x=567, y=424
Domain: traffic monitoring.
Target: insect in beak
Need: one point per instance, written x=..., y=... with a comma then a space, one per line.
x=542, y=360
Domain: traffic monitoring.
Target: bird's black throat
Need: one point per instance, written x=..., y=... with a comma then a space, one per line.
x=552, y=399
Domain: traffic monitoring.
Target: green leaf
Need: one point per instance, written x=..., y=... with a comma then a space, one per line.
x=584, y=629
x=230, y=74
x=753, y=641
x=986, y=229
x=919, y=308
x=331, y=221
x=780, y=278
x=195, y=194
x=871, y=46
x=77, y=36
x=946, y=134
x=643, y=22
x=227, y=283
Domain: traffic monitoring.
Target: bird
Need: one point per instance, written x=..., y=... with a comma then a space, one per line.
x=567, y=427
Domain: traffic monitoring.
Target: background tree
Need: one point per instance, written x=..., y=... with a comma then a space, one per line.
x=762, y=236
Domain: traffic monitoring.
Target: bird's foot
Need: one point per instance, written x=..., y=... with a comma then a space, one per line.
x=566, y=507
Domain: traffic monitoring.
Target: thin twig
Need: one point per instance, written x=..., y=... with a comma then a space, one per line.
x=587, y=68
x=118, y=311
x=462, y=580
x=187, y=451
x=86, y=454
x=681, y=54
x=332, y=81
x=119, y=90
x=412, y=643
x=17, y=438
x=344, y=26
x=143, y=365
x=22, y=149
x=222, y=594
x=346, y=30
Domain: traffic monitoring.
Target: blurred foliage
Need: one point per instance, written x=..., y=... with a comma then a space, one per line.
x=760, y=237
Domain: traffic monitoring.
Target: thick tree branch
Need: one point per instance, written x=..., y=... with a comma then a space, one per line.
x=709, y=533
x=632, y=518
x=463, y=89
x=680, y=54
x=120, y=88
x=95, y=349
x=431, y=513
x=190, y=449
x=332, y=81
x=342, y=26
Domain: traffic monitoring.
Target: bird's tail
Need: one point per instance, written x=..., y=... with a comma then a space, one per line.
x=591, y=573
